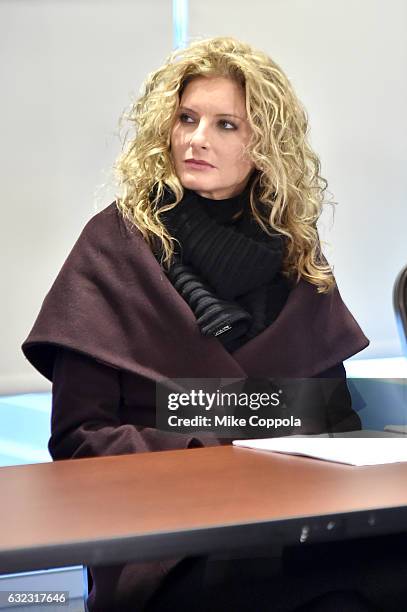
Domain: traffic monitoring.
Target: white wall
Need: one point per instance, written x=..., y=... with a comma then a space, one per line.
x=347, y=61
x=68, y=69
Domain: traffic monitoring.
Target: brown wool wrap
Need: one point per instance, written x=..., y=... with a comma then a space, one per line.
x=112, y=301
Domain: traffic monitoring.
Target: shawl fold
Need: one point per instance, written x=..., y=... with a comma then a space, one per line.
x=112, y=301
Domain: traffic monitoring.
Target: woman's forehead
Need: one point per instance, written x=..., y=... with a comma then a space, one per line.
x=221, y=95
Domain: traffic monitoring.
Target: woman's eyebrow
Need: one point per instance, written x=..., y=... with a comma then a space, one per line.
x=217, y=115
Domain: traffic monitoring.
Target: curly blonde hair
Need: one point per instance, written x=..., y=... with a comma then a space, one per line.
x=287, y=182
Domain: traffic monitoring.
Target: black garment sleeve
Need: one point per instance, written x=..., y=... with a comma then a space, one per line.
x=85, y=420
x=339, y=412
x=85, y=410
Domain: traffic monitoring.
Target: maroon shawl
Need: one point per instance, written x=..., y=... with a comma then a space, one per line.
x=112, y=301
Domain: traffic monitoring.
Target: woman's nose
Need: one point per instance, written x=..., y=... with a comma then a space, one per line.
x=199, y=136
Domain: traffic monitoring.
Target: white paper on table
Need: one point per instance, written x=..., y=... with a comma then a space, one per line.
x=353, y=451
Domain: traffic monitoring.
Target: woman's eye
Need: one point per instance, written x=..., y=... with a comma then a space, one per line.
x=183, y=117
x=223, y=122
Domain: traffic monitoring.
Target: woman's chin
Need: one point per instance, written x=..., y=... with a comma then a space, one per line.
x=196, y=183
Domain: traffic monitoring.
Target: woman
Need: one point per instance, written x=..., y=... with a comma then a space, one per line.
x=208, y=264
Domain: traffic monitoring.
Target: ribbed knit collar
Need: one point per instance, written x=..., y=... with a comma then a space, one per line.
x=223, y=210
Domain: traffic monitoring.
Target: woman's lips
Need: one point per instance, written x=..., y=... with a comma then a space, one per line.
x=198, y=165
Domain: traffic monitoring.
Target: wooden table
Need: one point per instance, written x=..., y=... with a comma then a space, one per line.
x=175, y=503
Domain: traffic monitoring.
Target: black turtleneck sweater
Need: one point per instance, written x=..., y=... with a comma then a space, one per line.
x=233, y=264
x=220, y=243
x=225, y=211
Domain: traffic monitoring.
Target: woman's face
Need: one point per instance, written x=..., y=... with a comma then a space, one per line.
x=211, y=125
